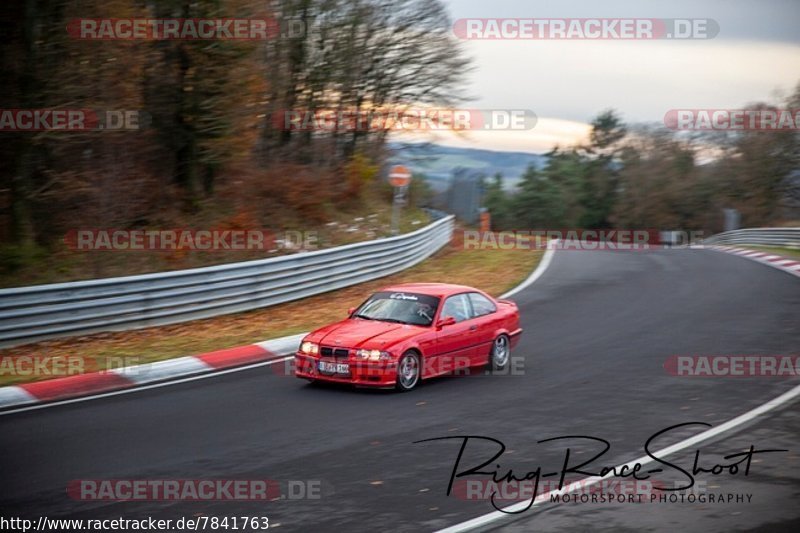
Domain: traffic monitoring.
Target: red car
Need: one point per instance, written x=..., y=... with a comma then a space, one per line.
x=405, y=333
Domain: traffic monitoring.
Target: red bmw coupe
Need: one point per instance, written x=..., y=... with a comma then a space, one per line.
x=406, y=333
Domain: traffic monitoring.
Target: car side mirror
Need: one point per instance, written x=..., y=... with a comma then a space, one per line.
x=445, y=321
x=351, y=311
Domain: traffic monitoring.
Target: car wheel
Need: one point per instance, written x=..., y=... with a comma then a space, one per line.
x=408, y=371
x=501, y=351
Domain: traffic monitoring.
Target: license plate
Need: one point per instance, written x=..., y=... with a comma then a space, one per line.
x=334, y=368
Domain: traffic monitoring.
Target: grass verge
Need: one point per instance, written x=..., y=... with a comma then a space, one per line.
x=492, y=270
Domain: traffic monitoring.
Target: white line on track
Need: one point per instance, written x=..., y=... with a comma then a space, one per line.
x=543, y=264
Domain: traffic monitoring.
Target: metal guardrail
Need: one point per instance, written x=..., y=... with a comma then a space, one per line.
x=435, y=214
x=113, y=304
x=779, y=237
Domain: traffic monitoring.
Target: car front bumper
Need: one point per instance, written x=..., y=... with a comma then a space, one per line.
x=362, y=373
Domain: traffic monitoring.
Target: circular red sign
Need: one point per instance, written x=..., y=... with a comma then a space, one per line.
x=399, y=176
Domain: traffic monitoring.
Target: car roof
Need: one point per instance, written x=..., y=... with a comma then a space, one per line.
x=432, y=289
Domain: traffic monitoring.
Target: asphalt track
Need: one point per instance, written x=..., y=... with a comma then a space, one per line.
x=599, y=326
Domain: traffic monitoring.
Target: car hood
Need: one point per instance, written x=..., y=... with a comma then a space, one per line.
x=357, y=333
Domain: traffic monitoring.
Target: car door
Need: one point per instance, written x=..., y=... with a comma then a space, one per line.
x=455, y=342
x=485, y=319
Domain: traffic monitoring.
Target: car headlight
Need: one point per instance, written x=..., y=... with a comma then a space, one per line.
x=373, y=355
x=309, y=348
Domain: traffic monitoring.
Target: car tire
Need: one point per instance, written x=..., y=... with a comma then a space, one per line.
x=501, y=352
x=409, y=371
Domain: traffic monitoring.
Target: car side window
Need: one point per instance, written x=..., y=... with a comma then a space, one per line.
x=458, y=307
x=481, y=305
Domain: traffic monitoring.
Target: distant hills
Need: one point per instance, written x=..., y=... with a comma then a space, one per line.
x=439, y=162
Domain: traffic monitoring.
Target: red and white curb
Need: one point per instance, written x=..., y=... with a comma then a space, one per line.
x=792, y=266
x=133, y=376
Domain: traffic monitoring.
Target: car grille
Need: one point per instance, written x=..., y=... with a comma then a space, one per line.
x=328, y=351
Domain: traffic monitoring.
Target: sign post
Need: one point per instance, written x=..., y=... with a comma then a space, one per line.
x=399, y=177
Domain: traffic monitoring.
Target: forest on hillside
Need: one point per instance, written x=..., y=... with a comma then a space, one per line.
x=210, y=147
x=650, y=176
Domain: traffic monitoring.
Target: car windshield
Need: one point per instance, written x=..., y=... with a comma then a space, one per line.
x=400, y=307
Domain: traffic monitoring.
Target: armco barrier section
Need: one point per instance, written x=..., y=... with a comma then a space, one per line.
x=113, y=304
x=778, y=237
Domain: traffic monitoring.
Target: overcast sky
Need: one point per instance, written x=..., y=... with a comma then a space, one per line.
x=755, y=57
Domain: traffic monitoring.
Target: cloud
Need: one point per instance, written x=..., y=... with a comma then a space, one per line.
x=576, y=80
x=547, y=133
